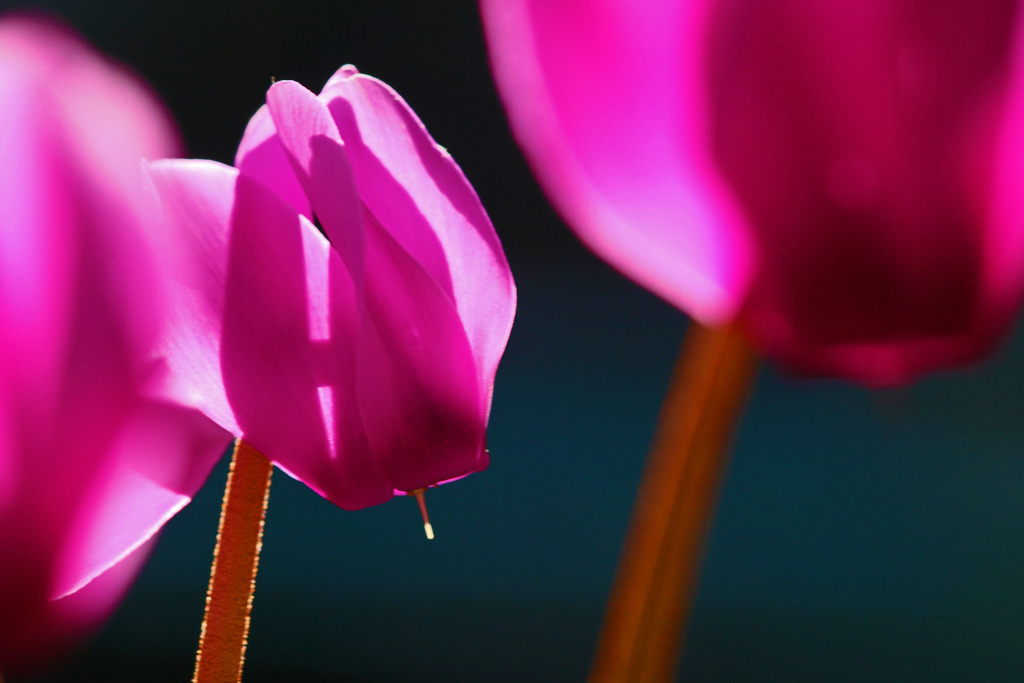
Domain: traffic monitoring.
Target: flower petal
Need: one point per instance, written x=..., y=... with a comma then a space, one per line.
x=261, y=294
x=86, y=514
x=859, y=138
x=341, y=74
x=1003, y=267
x=419, y=194
x=93, y=460
x=314, y=151
x=607, y=100
x=261, y=156
x=273, y=314
x=45, y=630
x=418, y=389
x=159, y=459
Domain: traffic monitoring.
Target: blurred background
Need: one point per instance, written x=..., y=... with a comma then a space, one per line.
x=860, y=536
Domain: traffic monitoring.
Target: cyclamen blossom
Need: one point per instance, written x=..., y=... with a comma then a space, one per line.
x=362, y=363
x=93, y=457
x=842, y=179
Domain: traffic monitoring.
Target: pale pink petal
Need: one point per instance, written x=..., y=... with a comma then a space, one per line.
x=108, y=112
x=419, y=194
x=197, y=198
x=607, y=99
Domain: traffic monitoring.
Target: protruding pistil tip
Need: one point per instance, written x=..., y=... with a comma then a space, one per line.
x=427, y=528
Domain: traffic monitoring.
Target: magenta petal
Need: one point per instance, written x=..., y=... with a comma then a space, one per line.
x=409, y=415
x=85, y=517
x=107, y=113
x=419, y=194
x=261, y=156
x=73, y=129
x=156, y=463
x=347, y=364
x=416, y=386
x=272, y=316
x=859, y=137
x=841, y=179
x=607, y=100
x=317, y=155
x=93, y=460
x=341, y=74
x=1003, y=267
x=262, y=292
x=44, y=631
x=418, y=391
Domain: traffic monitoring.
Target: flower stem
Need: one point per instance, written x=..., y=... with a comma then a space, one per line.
x=233, y=575
x=641, y=638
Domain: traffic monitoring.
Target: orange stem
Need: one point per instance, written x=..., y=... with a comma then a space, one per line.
x=641, y=638
x=233, y=575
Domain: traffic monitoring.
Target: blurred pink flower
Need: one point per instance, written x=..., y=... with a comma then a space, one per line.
x=843, y=178
x=362, y=363
x=92, y=459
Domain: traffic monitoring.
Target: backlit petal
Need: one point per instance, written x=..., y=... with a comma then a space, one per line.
x=606, y=97
x=93, y=459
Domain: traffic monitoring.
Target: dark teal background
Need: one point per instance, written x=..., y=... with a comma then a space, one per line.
x=861, y=536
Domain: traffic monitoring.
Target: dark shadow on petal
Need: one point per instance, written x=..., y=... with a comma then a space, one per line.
x=426, y=247
x=266, y=350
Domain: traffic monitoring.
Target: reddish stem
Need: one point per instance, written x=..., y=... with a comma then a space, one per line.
x=641, y=638
x=236, y=558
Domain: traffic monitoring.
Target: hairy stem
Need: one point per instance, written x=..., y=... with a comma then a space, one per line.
x=233, y=576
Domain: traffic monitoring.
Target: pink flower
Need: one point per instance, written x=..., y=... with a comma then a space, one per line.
x=93, y=460
x=841, y=178
x=362, y=363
